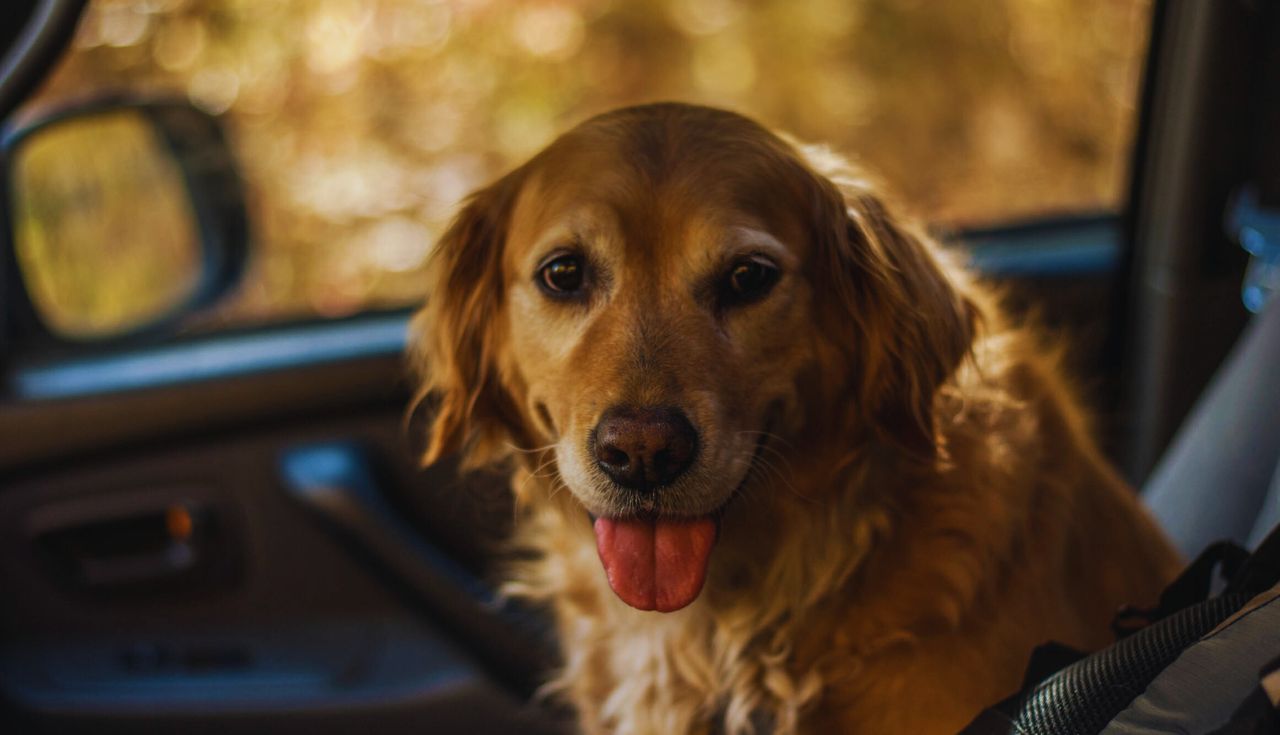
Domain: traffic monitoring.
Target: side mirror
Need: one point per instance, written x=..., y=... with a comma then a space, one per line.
x=122, y=217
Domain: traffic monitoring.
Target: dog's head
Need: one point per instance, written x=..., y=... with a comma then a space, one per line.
x=657, y=295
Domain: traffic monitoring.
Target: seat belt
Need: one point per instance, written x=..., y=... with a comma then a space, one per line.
x=1085, y=695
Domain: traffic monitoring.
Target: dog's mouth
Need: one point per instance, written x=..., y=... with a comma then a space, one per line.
x=657, y=563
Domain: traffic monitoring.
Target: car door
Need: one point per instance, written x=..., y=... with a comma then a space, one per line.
x=212, y=519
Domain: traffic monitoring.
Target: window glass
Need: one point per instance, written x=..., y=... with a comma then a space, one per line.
x=360, y=125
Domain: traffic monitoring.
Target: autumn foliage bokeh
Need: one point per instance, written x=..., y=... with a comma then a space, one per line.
x=360, y=125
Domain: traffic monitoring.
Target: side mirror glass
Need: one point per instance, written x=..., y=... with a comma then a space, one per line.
x=122, y=217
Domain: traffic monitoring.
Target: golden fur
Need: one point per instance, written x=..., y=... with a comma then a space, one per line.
x=911, y=500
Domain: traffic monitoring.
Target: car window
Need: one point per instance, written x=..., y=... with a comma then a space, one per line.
x=360, y=125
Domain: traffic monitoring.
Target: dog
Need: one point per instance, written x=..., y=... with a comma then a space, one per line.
x=784, y=466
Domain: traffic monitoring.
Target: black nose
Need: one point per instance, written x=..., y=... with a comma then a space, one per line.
x=644, y=448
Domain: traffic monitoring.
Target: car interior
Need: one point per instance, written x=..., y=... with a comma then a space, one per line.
x=212, y=525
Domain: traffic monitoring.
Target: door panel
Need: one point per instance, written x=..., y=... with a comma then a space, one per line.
x=253, y=610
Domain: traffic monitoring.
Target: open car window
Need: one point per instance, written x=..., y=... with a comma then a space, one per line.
x=359, y=126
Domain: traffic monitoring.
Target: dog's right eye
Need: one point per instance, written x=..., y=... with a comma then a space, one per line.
x=563, y=275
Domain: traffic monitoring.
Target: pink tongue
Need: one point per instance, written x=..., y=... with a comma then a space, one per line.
x=655, y=565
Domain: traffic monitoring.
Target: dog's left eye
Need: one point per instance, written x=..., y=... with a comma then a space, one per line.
x=749, y=279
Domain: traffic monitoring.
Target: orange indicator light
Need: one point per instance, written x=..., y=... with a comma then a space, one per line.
x=178, y=522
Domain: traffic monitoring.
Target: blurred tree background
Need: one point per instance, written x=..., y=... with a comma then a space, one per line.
x=360, y=124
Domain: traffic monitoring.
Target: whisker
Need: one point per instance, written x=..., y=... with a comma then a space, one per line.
x=767, y=466
x=537, y=472
x=520, y=490
x=783, y=458
x=556, y=487
x=531, y=450
x=766, y=434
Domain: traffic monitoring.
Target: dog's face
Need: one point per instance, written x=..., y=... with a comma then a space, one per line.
x=658, y=295
x=653, y=320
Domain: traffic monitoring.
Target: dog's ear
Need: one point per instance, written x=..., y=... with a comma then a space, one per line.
x=456, y=336
x=905, y=326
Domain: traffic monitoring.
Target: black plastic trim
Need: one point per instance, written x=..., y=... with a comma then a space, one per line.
x=52, y=24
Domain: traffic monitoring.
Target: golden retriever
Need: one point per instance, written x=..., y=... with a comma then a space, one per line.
x=785, y=467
